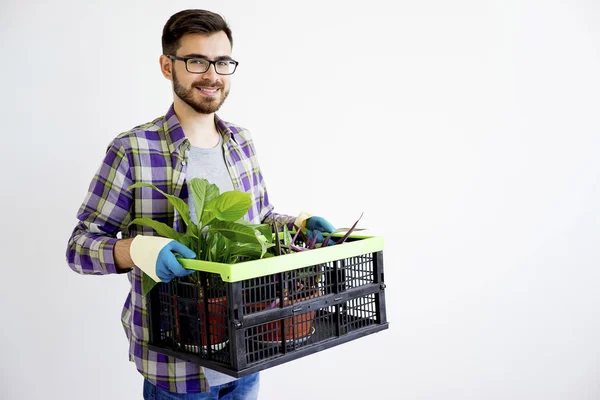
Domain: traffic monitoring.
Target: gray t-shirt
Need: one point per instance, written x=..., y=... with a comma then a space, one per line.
x=209, y=164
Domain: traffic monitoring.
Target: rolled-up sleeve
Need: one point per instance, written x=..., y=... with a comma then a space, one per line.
x=105, y=211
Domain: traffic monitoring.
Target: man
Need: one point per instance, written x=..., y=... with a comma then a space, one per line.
x=189, y=141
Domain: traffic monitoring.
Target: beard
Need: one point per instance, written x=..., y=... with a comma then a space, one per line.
x=206, y=105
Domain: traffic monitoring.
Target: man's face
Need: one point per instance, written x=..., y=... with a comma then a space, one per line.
x=205, y=93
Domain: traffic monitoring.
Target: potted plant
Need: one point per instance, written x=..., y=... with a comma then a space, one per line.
x=221, y=235
x=218, y=235
x=303, y=284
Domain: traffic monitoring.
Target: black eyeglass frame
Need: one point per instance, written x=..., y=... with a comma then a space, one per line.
x=213, y=63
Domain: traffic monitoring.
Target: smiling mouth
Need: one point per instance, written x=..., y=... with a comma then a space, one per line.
x=208, y=90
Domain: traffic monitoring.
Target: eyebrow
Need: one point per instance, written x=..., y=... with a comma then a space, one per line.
x=197, y=55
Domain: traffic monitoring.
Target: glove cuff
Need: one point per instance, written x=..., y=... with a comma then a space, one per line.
x=301, y=219
x=144, y=253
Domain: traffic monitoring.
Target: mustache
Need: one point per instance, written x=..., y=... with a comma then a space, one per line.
x=207, y=84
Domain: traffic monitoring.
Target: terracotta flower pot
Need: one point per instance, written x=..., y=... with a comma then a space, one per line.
x=296, y=327
x=192, y=317
x=217, y=320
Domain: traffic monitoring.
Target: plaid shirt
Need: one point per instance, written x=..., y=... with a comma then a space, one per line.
x=155, y=153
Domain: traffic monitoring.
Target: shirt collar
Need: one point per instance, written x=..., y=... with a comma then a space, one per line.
x=175, y=135
x=223, y=128
x=173, y=130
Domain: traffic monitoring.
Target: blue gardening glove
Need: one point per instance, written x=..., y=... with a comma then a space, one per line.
x=316, y=226
x=154, y=255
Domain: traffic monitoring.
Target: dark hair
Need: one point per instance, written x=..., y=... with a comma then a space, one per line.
x=191, y=21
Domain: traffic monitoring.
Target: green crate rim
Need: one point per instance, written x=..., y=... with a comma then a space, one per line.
x=287, y=262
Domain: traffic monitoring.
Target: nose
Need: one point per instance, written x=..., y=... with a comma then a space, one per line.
x=211, y=73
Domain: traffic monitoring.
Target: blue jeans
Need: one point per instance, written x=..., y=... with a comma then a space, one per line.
x=245, y=388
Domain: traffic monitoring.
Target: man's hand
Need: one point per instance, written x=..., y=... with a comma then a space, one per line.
x=154, y=255
x=316, y=226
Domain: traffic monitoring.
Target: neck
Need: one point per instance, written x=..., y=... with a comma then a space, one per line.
x=199, y=128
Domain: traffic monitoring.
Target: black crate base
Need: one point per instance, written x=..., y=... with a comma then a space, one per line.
x=239, y=328
x=274, y=352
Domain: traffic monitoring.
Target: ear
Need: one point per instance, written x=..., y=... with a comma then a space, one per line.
x=166, y=65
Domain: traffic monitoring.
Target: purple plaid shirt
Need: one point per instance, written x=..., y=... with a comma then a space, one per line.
x=155, y=153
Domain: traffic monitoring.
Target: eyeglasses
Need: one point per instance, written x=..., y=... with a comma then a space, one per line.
x=197, y=65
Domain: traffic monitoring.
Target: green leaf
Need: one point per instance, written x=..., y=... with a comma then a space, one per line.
x=235, y=232
x=180, y=205
x=263, y=245
x=147, y=283
x=287, y=237
x=202, y=193
x=209, y=215
x=193, y=230
x=230, y=206
x=246, y=250
x=347, y=229
x=162, y=229
x=264, y=229
x=190, y=242
x=215, y=243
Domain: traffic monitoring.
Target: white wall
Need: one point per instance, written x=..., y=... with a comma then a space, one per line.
x=466, y=131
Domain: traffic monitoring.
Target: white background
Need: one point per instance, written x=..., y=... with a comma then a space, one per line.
x=466, y=131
